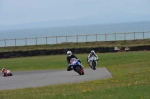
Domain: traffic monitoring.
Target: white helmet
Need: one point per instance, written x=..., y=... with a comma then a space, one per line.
x=92, y=52
x=69, y=53
x=3, y=69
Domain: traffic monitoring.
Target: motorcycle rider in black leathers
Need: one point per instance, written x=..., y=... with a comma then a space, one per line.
x=69, y=57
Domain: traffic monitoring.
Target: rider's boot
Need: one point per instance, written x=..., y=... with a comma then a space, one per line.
x=82, y=66
x=90, y=65
x=69, y=68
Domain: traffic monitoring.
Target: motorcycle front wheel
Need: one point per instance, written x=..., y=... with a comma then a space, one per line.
x=94, y=65
x=4, y=74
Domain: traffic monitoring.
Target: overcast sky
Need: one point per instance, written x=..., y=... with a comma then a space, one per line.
x=25, y=11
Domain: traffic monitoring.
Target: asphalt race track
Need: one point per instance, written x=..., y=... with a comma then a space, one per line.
x=38, y=78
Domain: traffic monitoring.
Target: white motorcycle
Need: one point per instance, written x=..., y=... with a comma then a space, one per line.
x=93, y=62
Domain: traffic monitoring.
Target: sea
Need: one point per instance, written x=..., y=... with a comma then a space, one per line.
x=23, y=37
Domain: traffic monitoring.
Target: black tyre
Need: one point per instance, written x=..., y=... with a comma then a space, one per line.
x=78, y=70
x=94, y=65
x=83, y=73
x=11, y=74
x=4, y=74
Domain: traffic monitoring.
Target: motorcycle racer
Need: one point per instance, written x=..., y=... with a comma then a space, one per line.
x=4, y=70
x=69, y=57
x=91, y=55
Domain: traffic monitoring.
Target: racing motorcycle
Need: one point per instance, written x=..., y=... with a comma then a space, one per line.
x=7, y=73
x=76, y=66
x=93, y=62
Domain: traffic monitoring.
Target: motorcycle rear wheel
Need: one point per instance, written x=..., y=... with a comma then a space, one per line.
x=11, y=74
x=77, y=69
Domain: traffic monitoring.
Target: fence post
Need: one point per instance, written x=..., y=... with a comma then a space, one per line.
x=46, y=40
x=134, y=35
x=26, y=41
x=56, y=39
x=115, y=36
x=15, y=42
x=77, y=39
x=86, y=38
x=36, y=40
x=105, y=37
x=66, y=39
x=5, y=42
x=96, y=37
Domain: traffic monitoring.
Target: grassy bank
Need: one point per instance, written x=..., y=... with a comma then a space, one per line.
x=125, y=43
x=131, y=77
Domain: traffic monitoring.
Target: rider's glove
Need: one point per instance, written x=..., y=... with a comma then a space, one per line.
x=79, y=60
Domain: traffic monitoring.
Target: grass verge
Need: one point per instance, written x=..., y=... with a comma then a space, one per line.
x=131, y=78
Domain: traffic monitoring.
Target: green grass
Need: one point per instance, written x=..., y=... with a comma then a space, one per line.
x=131, y=78
x=34, y=63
